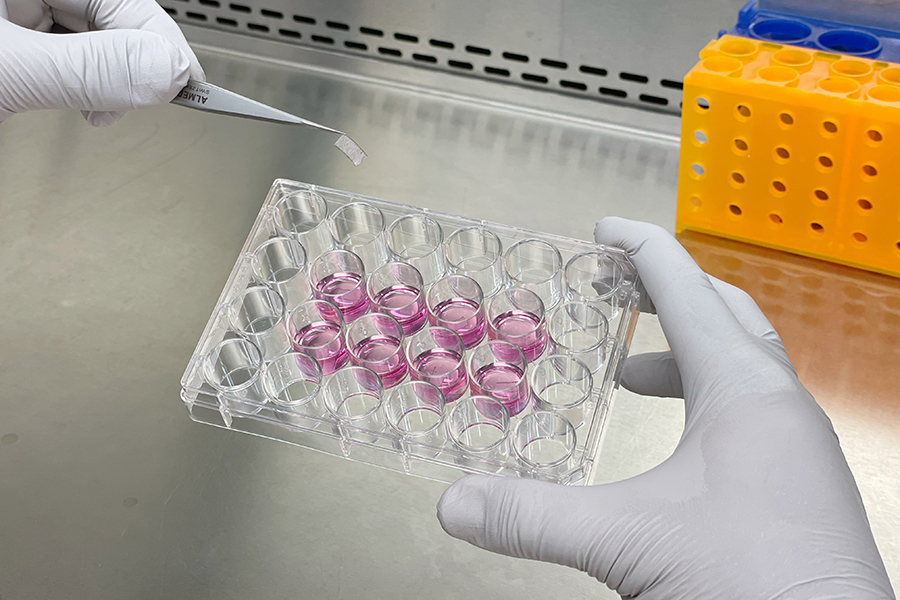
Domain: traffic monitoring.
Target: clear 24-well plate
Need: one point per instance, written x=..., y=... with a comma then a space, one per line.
x=537, y=411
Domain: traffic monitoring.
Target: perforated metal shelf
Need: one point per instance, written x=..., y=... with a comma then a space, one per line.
x=632, y=53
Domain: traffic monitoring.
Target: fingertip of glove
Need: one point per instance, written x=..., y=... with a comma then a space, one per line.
x=197, y=72
x=182, y=70
x=462, y=507
x=99, y=118
x=159, y=69
x=605, y=228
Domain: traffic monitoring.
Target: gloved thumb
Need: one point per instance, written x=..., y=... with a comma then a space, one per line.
x=110, y=71
x=522, y=518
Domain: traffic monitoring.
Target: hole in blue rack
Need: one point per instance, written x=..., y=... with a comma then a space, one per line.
x=780, y=30
x=849, y=42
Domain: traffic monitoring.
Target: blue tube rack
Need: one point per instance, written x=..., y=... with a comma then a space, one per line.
x=828, y=36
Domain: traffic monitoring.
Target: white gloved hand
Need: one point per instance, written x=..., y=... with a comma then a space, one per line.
x=132, y=55
x=756, y=502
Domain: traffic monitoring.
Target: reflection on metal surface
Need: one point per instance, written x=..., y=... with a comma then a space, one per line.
x=841, y=328
x=625, y=51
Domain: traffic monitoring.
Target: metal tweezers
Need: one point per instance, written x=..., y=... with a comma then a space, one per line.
x=211, y=98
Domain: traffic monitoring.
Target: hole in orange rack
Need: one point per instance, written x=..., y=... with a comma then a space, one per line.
x=698, y=169
x=779, y=187
x=864, y=204
x=721, y=64
x=870, y=171
x=816, y=227
x=884, y=93
x=740, y=145
x=702, y=103
x=852, y=68
x=898, y=245
x=890, y=75
x=735, y=209
x=777, y=74
x=700, y=136
x=737, y=177
x=838, y=85
x=874, y=135
x=860, y=237
x=695, y=200
x=830, y=127
x=821, y=195
x=826, y=162
x=743, y=111
x=776, y=219
x=782, y=153
x=738, y=47
x=792, y=58
x=786, y=118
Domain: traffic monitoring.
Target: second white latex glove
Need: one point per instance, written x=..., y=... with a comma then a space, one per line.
x=130, y=55
x=757, y=500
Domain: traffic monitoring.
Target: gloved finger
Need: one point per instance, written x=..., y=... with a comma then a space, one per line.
x=102, y=118
x=644, y=304
x=700, y=327
x=653, y=374
x=745, y=309
x=753, y=320
x=71, y=22
x=99, y=71
x=144, y=15
x=516, y=517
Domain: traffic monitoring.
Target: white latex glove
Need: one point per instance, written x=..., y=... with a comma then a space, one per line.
x=756, y=502
x=134, y=56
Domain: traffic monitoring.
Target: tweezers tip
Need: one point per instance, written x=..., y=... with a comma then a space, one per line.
x=350, y=149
